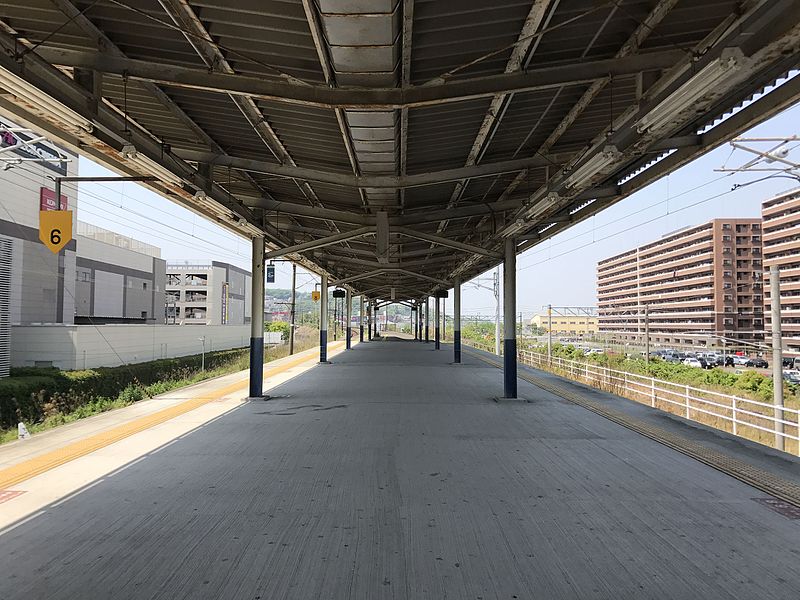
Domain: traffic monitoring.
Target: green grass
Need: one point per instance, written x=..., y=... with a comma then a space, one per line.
x=53, y=416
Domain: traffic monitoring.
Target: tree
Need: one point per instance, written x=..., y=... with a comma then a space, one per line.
x=281, y=326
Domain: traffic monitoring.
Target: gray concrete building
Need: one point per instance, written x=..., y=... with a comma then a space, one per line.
x=213, y=293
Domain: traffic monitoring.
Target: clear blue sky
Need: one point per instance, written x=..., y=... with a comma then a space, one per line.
x=560, y=271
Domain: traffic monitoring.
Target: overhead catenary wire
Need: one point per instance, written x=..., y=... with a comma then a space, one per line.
x=198, y=243
x=67, y=290
x=627, y=229
x=201, y=242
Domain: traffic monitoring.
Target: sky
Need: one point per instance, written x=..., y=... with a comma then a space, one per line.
x=560, y=271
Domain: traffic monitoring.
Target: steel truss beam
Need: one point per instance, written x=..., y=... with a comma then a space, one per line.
x=442, y=241
x=321, y=242
x=365, y=181
x=355, y=218
x=198, y=37
x=389, y=270
x=363, y=98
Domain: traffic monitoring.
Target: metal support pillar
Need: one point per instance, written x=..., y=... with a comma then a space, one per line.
x=457, y=320
x=777, y=353
x=427, y=319
x=323, y=319
x=348, y=329
x=497, y=335
x=549, y=333
x=292, y=324
x=256, y=320
x=509, y=325
x=369, y=320
x=437, y=320
x=361, y=320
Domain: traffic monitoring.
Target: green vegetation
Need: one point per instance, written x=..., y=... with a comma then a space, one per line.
x=282, y=326
x=749, y=384
x=46, y=398
x=481, y=332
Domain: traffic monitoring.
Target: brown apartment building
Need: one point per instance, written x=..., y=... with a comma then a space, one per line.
x=781, y=223
x=699, y=284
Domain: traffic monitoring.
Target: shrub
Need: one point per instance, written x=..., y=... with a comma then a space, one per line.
x=31, y=394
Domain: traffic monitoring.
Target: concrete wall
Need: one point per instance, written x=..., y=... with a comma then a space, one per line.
x=5, y=305
x=79, y=346
x=108, y=294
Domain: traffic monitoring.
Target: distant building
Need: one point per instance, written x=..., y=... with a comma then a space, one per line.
x=98, y=302
x=36, y=286
x=781, y=223
x=213, y=293
x=700, y=284
x=576, y=325
x=118, y=279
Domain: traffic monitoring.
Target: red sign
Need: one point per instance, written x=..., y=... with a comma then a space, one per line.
x=47, y=200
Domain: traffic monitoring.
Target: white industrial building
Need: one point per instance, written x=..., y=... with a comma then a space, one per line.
x=36, y=286
x=118, y=279
x=101, y=300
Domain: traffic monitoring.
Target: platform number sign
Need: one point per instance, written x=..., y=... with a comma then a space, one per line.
x=315, y=296
x=270, y=273
x=55, y=229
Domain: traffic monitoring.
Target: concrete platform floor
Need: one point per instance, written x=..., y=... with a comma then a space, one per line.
x=392, y=474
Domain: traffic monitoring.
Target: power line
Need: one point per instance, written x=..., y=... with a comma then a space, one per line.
x=163, y=236
x=627, y=229
x=631, y=214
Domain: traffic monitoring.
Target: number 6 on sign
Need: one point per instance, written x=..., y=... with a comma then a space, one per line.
x=55, y=228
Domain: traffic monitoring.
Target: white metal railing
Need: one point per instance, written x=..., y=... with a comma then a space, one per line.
x=751, y=419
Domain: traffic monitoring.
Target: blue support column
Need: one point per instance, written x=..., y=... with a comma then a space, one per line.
x=257, y=320
x=437, y=318
x=348, y=330
x=323, y=319
x=509, y=319
x=361, y=320
x=427, y=320
x=457, y=320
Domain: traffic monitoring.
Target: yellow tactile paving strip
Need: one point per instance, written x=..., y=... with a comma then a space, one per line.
x=40, y=464
x=760, y=479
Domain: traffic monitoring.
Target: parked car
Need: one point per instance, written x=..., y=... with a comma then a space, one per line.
x=792, y=376
x=693, y=362
x=757, y=362
x=792, y=363
x=740, y=361
x=714, y=358
x=707, y=363
x=677, y=357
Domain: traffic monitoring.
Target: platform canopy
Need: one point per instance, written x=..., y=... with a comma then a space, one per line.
x=396, y=144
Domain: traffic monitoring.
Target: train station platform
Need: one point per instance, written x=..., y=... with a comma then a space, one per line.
x=392, y=473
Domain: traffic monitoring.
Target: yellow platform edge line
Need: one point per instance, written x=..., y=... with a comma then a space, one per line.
x=22, y=471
